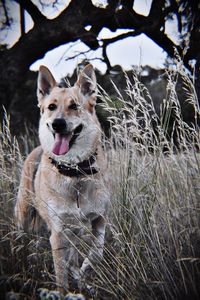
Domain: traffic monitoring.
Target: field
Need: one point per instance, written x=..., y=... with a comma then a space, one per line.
x=152, y=246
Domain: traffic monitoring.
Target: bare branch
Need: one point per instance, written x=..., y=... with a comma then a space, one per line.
x=7, y=21
x=32, y=9
x=79, y=53
x=122, y=36
x=105, y=58
x=22, y=20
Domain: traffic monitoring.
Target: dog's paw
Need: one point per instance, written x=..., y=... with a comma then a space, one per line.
x=71, y=296
x=45, y=294
x=54, y=295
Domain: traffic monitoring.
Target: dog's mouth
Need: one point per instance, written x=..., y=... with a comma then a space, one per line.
x=63, y=142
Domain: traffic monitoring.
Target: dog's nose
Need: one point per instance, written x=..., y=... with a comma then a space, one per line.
x=59, y=125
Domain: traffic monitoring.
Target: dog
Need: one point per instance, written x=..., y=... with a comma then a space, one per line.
x=64, y=177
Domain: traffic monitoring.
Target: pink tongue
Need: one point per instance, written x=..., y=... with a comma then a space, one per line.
x=61, y=145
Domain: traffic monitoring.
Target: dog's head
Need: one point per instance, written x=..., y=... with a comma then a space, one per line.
x=69, y=130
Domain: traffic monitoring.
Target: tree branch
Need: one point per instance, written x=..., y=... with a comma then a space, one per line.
x=105, y=58
x=7, y=22
x=128, y=3
x=156, y=8
x=122, y=36
x=22, y=21
x=32, y=9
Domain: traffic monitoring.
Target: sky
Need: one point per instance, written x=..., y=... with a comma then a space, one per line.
x=136, y=51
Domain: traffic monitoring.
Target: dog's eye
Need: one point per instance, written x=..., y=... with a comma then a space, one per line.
x=52, y=106
x=73, y=106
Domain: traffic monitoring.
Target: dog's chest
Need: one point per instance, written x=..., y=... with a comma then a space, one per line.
x=60, y=190
x=58, y=195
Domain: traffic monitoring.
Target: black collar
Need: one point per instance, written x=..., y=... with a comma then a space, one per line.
x=81, y=169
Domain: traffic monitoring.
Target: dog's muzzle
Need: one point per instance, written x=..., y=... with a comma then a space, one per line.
x=64, y=137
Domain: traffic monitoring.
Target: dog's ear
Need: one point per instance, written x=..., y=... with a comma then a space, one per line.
x=87, y=81
x=45, y=83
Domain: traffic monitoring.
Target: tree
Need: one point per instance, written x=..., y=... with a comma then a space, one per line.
x=71, y=25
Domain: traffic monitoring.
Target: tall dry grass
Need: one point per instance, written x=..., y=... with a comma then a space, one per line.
x=23, y=256
x=152, y=246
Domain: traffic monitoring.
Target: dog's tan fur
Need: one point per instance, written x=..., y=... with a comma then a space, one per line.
x=55, y=195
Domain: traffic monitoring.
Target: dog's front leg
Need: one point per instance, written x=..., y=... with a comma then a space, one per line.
x=65, y=258
x=59, y=246
x=96, y=251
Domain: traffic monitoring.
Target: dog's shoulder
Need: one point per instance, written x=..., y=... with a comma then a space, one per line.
x=32, y=161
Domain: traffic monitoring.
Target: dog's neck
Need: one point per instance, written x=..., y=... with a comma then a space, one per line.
x=83, y=168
